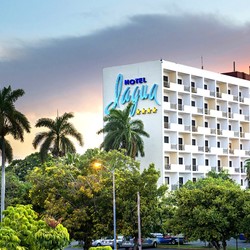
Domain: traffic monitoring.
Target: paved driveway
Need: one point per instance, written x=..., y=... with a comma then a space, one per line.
x=240, y=243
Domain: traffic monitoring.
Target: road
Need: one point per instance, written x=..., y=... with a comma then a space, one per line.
x=242, y=245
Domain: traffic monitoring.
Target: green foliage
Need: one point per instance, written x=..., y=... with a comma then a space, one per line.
x=247, y=166
x=210, y=209
x=101, y=248
x=22, y=229
x=52, y=238
x=56, y=140
x=82, y=196
x=22, y=167
x=222, y=174
x=122, y=132
x=9, y=239
x=17, y=192
x=17, y=187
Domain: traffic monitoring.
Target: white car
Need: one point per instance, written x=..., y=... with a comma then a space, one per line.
x=109, y=241
x=149, y=241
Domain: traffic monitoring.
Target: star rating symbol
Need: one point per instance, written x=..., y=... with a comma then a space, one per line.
x=146, y=111
x=149, y=110
x=154, y=110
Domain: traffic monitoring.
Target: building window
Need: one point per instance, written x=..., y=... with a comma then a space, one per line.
x=179, y=120
x=166, y=139
x=229, y=91
x=229, y=127
x=206, y=124
x=206, y=162
x=193, y=142
x=181, y=181
x=165, y=78
x=194, y=179
x=230, y=164
x=218, y=107
x=241, y=147
x=165, y=98
x=179, y=81
x=180, y=160
x=240, y=111
x=205, y=86
x=241, y=182
x=193, y=84
x=193, y=103
x=167, y=180
x=218, y=144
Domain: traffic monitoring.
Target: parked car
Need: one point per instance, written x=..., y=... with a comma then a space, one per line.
x=108, y=241
x=148, y=241
x=170, y=239
x=96, y=243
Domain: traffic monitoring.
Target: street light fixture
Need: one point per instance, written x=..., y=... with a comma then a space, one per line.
x=98, y=165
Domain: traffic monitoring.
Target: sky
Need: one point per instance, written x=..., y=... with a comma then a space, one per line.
x=56, y=50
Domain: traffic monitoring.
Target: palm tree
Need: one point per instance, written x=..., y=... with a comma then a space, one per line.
x=56, y=139
x=123, y=133
x=12, y=122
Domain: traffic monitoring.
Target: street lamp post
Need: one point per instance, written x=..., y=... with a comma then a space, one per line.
x=98, y=165
x=114, y=209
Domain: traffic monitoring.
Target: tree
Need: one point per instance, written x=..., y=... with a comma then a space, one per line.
x=12, y=122
x=56, y=139
x=123, y=133
x=212, y=209
x=247, y=167
x=82, y=196
x=22, y=229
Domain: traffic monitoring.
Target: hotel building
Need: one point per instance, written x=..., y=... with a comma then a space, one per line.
x=198, y=121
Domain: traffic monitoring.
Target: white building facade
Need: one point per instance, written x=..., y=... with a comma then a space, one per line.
x=198, y=120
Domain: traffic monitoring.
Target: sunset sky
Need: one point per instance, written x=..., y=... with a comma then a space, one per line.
x=56, y=50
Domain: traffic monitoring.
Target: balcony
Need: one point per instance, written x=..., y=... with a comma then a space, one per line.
x=194, y=90
x=180, y=107
x=174, y=146
x=218, y=94
x=219, y=132
x=166, y=125
x=167, y=166
x=194, y=129
x=173, y=106
x=207, y=149
x=206, y=111
x=195, y=167
x=166, y=84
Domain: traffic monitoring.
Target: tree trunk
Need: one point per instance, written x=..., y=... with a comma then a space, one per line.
x=216, y=244
x=3, y=179
x=224, y=245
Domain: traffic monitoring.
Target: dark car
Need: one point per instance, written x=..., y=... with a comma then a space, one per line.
x=170, y=239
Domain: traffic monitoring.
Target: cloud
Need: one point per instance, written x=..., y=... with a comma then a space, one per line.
x=65, y=74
